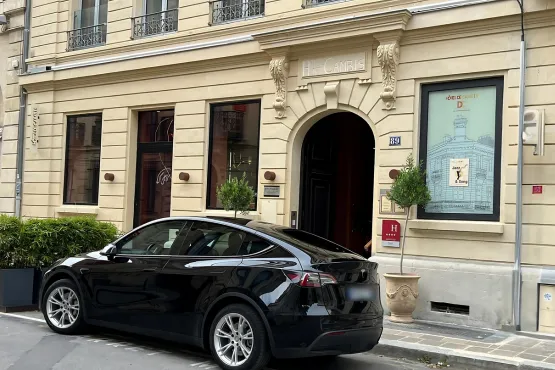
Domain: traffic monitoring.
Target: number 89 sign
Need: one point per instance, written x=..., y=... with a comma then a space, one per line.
x=391, y=233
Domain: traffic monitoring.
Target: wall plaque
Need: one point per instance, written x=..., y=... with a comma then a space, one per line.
x=35, y=127
x=271, y=191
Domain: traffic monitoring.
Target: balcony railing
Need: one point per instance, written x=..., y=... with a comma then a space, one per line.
x=312, y=3
x=232, y=10
x=86, y=37
x=155, y=23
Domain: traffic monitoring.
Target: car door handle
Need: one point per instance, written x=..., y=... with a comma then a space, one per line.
x=151, y=269
x=84, y=271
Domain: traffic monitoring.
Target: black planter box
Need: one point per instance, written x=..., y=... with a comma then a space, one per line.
x=16, y=289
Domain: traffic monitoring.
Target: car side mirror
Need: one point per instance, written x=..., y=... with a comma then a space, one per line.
x=109, y=251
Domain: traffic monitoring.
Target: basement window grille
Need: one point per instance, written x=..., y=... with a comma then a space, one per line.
x=450, y=308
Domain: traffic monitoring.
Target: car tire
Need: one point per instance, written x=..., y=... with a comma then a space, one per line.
x=246, y=324
x=62, y=307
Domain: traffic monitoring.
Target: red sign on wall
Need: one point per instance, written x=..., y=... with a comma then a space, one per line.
x=391, y=233
x=537, y=189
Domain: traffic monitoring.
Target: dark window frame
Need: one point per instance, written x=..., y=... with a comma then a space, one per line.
x=96, y=190
x=497, y=82
x=210, y=144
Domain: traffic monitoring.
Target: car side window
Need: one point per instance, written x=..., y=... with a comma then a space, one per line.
x=156, y=239
x=253, y=244
x=210, y=239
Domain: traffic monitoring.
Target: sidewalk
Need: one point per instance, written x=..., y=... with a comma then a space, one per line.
x=489, y=349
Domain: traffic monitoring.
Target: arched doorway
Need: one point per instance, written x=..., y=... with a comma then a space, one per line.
x=337, y=180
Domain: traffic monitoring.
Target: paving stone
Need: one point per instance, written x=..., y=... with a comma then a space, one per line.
x=458, y=341
x=479, y=349
x=454, y=345
x=523, y=342
x=516, y=349
x=429, y=342
x=499, y=352
x=550, y=360
x=432, y=337
x=392, y=336
x=411, y=340
x=539, y=351
x=528, y=356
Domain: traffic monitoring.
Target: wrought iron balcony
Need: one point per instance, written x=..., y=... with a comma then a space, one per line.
x=232, y=10
x=155, y=23
x=86, y=37
x=312, y=3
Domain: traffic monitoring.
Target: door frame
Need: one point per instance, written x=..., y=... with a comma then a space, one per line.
x=144, y=148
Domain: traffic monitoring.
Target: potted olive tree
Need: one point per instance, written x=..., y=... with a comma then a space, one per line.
x=408, y=190
x=236, y=195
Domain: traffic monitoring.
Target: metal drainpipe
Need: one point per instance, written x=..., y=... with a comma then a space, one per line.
x=517, y=270
x=22, y=112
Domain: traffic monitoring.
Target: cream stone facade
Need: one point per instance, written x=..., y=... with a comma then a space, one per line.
x=304, y=63
x=11, y=36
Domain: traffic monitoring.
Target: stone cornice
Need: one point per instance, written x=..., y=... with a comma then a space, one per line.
x=331, y=30
x=57, y=80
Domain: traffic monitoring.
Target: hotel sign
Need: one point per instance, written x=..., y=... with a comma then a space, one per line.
x=328, y=67
x=347, y=63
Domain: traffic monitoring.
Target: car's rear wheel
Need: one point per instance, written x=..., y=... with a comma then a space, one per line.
x=62, y=307
x=238, y=339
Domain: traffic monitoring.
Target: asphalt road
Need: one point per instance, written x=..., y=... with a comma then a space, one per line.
x=28, y=344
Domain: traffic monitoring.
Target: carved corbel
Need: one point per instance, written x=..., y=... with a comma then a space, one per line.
x=279, y=69
x=331, y=90
x=388, y=58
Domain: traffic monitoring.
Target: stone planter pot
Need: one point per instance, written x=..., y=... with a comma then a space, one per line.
x=16, y=289
x=401, y=294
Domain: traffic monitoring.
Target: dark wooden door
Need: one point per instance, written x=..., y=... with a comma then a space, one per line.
x=318, y=176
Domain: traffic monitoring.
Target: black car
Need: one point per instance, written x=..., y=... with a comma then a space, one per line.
x=243, y=289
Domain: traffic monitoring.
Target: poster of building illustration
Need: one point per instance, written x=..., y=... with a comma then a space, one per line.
x=461, y=148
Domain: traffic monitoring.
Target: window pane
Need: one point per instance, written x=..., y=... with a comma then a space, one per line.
x=461, y=160
x=207, y=239
x=154, y=239
x=156, y=126
x=233, y=146
x=82, y=167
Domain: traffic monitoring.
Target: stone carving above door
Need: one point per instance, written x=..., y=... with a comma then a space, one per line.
x=279, y=69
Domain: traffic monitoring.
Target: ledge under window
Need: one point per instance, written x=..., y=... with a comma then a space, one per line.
x=77, y=210
x=458, y=226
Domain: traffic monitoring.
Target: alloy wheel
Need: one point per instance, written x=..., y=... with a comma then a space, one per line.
x=233, y=339
x=62, y=307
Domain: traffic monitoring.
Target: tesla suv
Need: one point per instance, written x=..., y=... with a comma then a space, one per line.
x=244, y=290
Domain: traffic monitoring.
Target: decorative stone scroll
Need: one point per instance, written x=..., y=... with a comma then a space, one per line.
x=388, y=58
x=279, y=68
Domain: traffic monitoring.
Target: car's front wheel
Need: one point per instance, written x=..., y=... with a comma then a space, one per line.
x=62, y=307
x=238, y=339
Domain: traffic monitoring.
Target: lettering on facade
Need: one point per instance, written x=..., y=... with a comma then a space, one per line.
x=347, y=63
x=35, y=127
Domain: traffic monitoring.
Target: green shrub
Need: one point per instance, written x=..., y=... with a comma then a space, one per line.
x=11, y=255
x=236, y=195
x=46, y=240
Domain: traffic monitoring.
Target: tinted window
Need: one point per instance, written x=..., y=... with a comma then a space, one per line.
x=233, y=146
x=154, y=239
x=208, y=239
x=82, y=167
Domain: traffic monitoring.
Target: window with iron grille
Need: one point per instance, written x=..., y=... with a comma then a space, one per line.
x=160, y=16
x=232, y=10
x=89, y=25
x=312, y=3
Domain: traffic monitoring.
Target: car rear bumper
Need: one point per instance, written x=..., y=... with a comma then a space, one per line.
x=336, y=342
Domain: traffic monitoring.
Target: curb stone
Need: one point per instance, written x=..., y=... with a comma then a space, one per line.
x=412, y=351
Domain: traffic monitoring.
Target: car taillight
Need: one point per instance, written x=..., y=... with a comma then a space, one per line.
x=314, y=280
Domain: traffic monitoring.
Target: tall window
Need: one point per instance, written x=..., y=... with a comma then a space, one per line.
x=234, y=137
x=82, y=165
x=460, y=144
